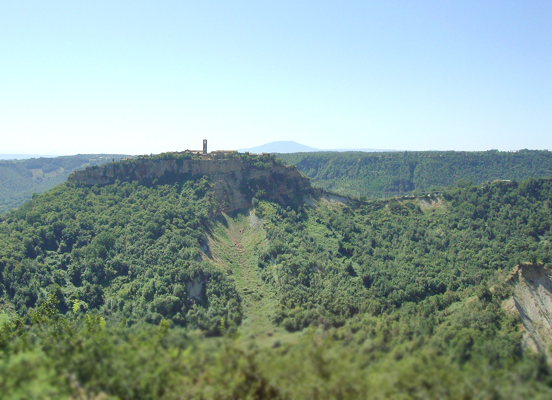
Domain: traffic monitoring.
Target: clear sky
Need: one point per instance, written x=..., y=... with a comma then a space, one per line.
x=140, y=77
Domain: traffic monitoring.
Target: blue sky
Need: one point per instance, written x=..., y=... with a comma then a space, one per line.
x=140, y=77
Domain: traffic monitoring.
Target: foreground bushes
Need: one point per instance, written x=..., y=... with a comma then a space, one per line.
x=47, y=355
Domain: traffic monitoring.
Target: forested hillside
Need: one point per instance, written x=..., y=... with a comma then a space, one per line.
x=382, y=175
x=19, y=179
x=133, y=290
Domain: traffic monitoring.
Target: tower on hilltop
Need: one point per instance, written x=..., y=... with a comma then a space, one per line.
x=204, y=146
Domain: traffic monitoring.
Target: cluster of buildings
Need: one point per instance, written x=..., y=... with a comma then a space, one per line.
x=215, y=154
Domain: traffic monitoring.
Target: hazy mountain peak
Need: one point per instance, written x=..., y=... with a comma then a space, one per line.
x=281, y=146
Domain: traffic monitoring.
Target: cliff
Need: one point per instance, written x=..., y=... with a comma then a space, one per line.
x=234, y=179
x=532, y=299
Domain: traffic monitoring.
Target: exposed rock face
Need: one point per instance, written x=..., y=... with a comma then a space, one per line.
x=234, y=181
x=532, y=299
x=195, y=289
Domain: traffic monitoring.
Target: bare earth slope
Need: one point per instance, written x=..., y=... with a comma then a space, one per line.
x=532, y=299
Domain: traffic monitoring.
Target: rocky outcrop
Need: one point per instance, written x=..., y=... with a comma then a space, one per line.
x=532, y=299
x=234, y=181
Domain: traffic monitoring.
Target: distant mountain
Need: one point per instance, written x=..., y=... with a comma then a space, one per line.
x=289, y=146
x=286, y=146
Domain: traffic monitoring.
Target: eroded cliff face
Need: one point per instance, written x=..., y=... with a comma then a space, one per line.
x=234, y=181
x=532, y=299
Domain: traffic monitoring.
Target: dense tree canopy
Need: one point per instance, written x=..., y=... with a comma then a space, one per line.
x=389, y=174
x=394, y=297
x=129, y=250
x=19, y=179
x=333, y=262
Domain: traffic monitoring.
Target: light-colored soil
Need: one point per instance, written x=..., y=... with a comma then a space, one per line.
x=334, y=198
x=532, y=299
x=38, y=173
x=430, y=202
x=327, y=200
x=234, y=246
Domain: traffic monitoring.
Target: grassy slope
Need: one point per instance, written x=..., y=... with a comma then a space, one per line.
x=234, y=245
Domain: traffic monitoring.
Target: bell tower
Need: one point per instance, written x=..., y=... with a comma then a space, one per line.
x=204, y=146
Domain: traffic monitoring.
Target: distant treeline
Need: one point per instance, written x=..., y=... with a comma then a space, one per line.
x=19, y=179
x=380, y=175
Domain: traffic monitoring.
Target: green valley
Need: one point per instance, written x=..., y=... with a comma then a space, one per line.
x=228, y=276
x=20, y=179
x=380, y=175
